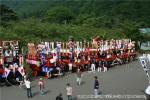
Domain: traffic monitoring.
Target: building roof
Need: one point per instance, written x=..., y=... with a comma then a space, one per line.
x=145, y=30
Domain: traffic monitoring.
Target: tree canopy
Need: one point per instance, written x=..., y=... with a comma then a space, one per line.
x=59, y=19
x=59, y=14
x=6, y=15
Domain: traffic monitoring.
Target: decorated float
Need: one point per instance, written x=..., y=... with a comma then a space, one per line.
x=55, y=58
x=11, y=62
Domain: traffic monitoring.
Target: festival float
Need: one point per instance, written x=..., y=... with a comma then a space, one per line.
x=55, y=58
x=11, y=62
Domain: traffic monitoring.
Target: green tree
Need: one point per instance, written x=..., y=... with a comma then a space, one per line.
x=131, y=31
x=6, y=15
x=60, y=14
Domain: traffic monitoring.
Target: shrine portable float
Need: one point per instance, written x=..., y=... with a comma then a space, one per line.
x=55, y=58
x=11, y=62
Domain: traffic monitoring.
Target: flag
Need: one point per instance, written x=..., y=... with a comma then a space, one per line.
x=95, y=40
x=20, y=60
x=21, y=70
x=78, y=51
x=6, y=72
x=42, y=58
x=1, y=61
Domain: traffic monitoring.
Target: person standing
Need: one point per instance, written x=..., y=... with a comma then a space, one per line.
x=28, y=86
x=69, y=91
x=99, y=66
x=70, y=66
x=41, y=86
x=96, y=86
x=79, y=75
x=93, y=67
x=59, y=97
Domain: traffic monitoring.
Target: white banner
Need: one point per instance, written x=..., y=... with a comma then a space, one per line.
x=144, y=65
x=33, y=62
x=21, y=70
x=7, y=71
x=148, y=57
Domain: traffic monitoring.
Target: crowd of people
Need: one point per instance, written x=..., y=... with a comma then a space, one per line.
x=77, y=57
x=57, y=58
x=97, y=55
x=68, y=88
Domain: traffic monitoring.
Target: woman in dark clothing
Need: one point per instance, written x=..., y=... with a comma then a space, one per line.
x=96, y=86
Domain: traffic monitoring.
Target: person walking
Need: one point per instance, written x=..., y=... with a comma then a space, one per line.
x=96, y=86
x=28, y=86
x=59, y=97
x=79, y=76
x=41, y=86
x=69, y=91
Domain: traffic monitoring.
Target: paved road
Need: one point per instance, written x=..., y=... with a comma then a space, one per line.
x=129, y=79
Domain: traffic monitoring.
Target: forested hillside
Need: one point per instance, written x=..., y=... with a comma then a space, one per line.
x=136, y=10
x=57, y=19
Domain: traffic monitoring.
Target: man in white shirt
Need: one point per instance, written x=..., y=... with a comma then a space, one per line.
x=69, y=91
x=28, y=86
x=93, y=67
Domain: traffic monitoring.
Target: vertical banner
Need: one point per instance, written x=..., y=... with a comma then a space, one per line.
x=52, y=44
x=66, y=47
x=21, y=60
x=92, y=45
x=58, y=49
x=144, y=65
x=88, y=45
x=77, y=43
x=84, y=44
x=148, y=56
x=21, y=70
x=6, y=72
x=42, y=59
x=63, y=47
x=1, y=61
x=81, y=46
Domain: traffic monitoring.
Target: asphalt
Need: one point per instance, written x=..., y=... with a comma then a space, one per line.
x=128, y=79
